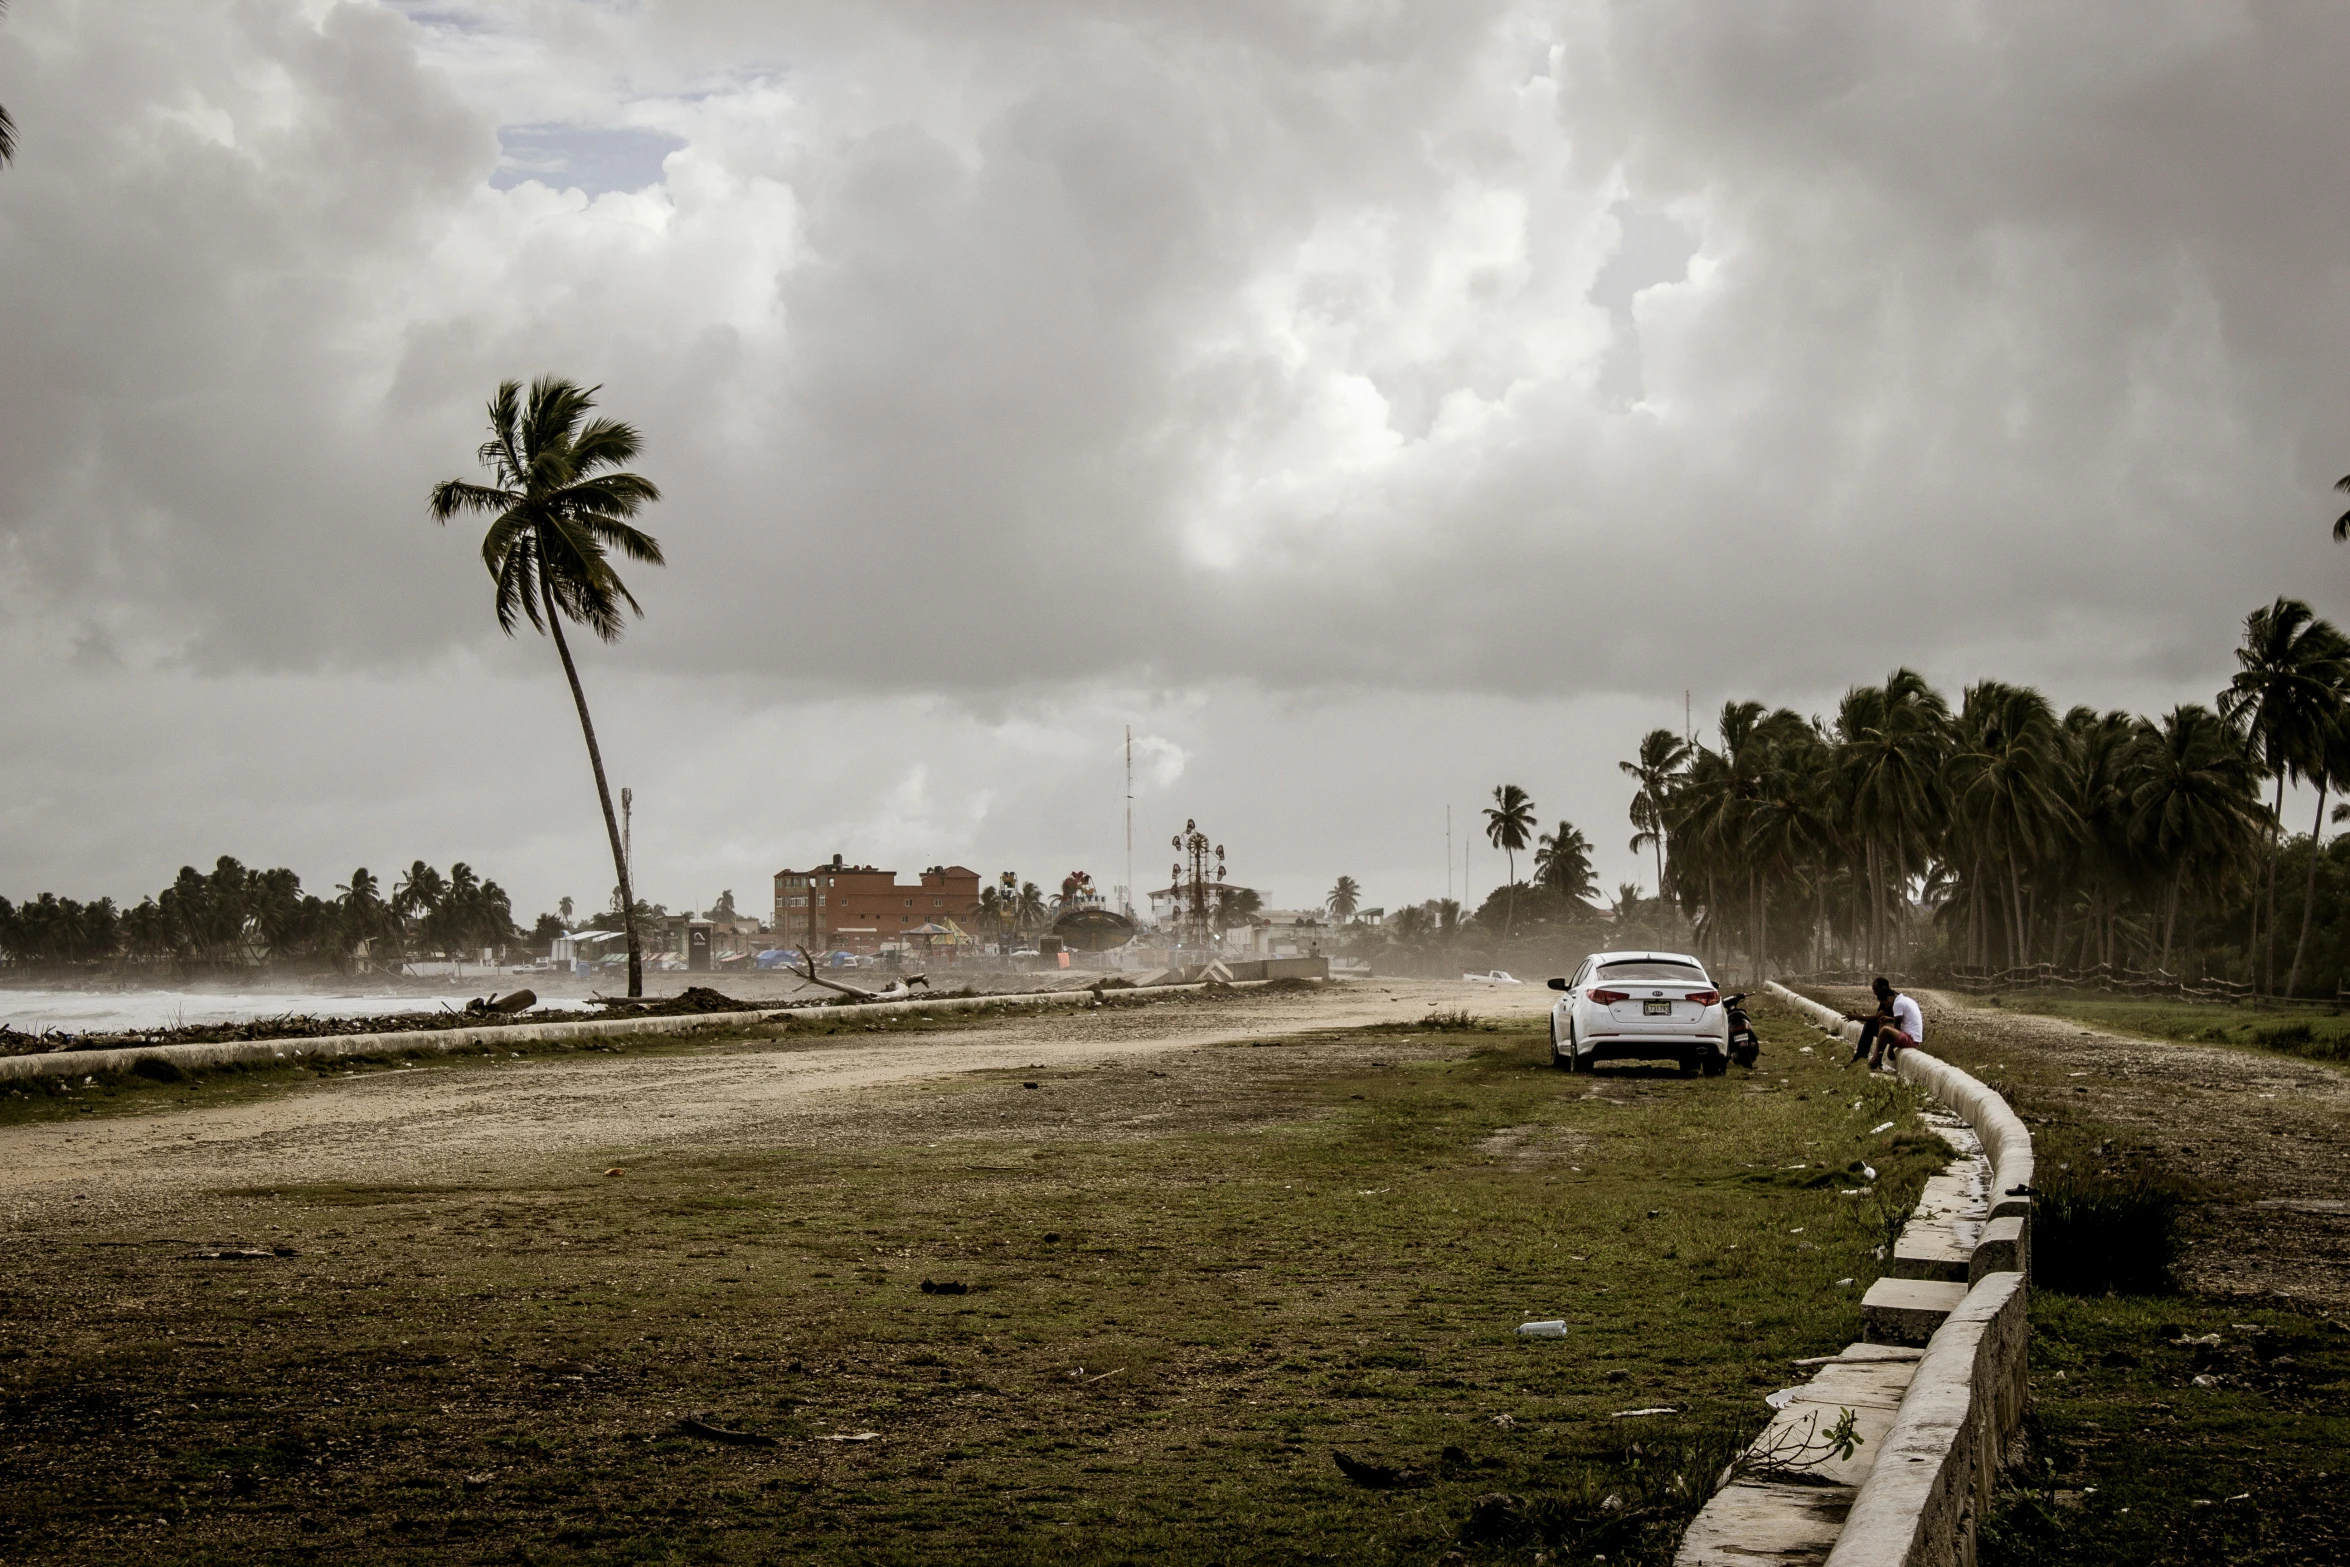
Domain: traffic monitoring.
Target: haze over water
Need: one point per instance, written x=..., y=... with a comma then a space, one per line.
x=86, y=1011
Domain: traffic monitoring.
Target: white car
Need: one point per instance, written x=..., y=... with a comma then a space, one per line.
x=1499, y=976
x=1639, y=1006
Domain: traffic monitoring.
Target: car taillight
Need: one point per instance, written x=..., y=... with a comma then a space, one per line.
x=1603, y=997
x=1704, y=998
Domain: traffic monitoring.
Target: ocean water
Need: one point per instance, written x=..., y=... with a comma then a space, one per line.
x=102, y=1011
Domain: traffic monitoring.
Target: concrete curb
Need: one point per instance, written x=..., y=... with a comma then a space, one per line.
x=444, y=1041
x=1925, y=1497
x=1936, y=1470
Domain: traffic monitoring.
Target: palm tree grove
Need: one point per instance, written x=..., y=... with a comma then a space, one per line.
x=1987, y=837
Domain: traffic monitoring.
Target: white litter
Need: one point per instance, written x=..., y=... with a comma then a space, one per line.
x=1840, y=1283
x=1887, y=1127
x=1553, y=1327
x=1868, y=1171
x=1782, y=1398
x=1659, y=1409
x=852, y=1436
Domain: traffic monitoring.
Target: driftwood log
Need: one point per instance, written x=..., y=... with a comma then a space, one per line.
x=903, y=987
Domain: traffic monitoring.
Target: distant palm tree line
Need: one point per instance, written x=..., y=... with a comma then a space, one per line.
x=1999, y=833
x=237, y=917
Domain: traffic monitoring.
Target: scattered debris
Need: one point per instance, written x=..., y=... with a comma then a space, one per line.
x=240, y=1253
x=1887, y=1127
x=616, y=1170
x=1633, y=1414
x=495, y=1005
x=694, y=1425
x=851, y=1436
x=945, y=1287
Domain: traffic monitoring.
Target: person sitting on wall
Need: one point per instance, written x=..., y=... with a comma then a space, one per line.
x=1897, y=1024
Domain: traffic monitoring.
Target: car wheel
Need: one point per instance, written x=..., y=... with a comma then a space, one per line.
x=1716, y=1063
x=1556, y=1059
x=1688, y=1064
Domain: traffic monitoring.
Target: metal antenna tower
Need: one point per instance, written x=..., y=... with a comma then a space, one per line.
x=1128, y=900
x=1194, y=892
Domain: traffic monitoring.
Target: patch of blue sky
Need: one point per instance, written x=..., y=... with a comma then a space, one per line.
x=594, y=158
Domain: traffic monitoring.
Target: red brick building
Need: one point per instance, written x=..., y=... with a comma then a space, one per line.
x=857, y=908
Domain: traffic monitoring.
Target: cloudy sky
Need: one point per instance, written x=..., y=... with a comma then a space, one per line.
x=1369, y=403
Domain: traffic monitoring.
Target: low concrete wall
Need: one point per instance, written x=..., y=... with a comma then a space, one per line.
x=443, y=1041
x=1923, y=1503
x=2001, y=1129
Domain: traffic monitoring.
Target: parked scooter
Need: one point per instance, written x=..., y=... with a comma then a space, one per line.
x=1744, y=1047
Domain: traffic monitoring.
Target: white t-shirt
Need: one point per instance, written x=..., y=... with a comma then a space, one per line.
x=1909, y=1019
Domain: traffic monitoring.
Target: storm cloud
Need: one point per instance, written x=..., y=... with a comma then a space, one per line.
x=1367, y=402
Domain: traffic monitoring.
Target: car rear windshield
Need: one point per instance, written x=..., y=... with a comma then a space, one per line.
x=1649, y=968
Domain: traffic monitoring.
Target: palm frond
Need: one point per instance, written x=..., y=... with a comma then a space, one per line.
x=604, y=443
x=610, y=533
x=614, y=494
x=451, y=496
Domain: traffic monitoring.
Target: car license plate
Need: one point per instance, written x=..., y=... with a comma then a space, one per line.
x=1656, y=1009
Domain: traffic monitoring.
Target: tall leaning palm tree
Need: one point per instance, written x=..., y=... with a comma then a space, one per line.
x=559, y=506
x=1345, y=898
x=1509, y=822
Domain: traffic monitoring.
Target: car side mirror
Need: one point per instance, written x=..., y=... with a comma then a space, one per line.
x=1558, y=984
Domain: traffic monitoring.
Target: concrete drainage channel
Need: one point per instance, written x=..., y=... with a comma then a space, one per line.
x=444, y=1041
x=1934, y=1393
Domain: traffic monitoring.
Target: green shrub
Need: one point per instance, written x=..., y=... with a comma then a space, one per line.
x=2099, y=1236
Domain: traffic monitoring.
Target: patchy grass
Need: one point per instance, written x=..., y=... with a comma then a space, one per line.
x=2183, y=1431
x=1161, y=1341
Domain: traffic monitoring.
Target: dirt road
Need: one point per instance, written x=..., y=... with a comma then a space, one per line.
x=463, y=1122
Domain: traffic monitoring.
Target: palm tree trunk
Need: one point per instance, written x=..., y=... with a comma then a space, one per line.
x=636, y=958
x=2170, y=915
x=1657, y=841
x=2015, y=892
x=2309, y=887
x=1509, y=920
x=2268, y=924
